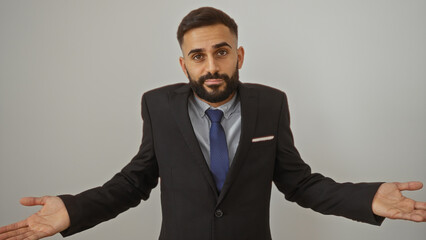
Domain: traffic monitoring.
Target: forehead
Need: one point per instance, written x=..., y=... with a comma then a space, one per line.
x=208, y=36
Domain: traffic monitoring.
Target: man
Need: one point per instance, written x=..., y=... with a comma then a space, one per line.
x=217, y=144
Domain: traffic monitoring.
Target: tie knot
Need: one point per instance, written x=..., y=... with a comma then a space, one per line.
x=215, y=115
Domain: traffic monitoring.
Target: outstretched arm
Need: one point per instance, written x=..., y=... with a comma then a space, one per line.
x=390, y=203
x=51, y=219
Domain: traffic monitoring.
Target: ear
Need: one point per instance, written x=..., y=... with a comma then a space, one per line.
x=240, y=53
x=182, y=65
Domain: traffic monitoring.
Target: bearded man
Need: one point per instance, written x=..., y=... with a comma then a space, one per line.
x=218, y=145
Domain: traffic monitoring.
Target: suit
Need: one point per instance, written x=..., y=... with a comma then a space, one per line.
x=191, y=206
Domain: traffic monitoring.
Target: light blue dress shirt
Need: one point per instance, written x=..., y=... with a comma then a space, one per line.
x=231, y=123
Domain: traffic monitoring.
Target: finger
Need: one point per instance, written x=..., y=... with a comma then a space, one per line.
x=14, y=234
x=27, y=235
x=410, y=186
x=418, y=216
x=404, y=216
x=420, y=206
x=415, y=216
x=14, y=226
x=32, y=201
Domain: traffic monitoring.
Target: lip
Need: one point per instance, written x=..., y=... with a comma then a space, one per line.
x=209, y=82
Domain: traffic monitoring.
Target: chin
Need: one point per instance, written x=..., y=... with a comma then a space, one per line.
x=215, y=88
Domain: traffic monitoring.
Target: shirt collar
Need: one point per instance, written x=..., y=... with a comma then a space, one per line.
x=227, y=108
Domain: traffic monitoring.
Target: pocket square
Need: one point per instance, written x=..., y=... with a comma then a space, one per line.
x=261, y=139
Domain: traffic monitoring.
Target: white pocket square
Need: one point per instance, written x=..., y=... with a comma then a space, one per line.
x=261, y=139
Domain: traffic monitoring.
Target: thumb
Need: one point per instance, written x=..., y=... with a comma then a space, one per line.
x=32, y=201
x=410, y=186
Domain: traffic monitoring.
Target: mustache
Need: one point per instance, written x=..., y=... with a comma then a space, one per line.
x=215, y=75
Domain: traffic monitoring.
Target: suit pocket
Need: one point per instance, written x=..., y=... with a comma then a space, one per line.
x=263, y=143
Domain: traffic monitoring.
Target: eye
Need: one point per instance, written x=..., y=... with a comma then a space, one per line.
x=222, y=52
x=197, y=57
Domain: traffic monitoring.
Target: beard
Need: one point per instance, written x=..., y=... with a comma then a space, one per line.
x=215, y=95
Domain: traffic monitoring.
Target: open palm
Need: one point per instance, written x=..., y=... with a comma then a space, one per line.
x=51, y=219
x=389, y=202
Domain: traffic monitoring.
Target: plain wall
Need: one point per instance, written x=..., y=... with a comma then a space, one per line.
x=72, y=74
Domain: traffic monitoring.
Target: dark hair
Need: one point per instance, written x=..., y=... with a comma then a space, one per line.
x=205, y=16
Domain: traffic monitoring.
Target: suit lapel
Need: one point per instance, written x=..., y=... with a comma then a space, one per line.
x=249, y=103
x=178, y=101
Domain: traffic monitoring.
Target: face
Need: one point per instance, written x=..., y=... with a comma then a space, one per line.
x=211, y=61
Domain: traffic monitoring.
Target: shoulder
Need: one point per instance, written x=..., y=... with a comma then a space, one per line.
x=262, y=88
x=264, y=92
x=166, y=89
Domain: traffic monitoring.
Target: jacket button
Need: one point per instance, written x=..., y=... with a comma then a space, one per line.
x=218, y=213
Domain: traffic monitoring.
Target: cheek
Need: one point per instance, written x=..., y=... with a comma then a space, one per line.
x=230, y=69
x=193, y=76
x=229, y=64
x=194, y=71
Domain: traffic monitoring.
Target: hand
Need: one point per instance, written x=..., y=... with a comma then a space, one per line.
x=389, y=202
x=51, y=219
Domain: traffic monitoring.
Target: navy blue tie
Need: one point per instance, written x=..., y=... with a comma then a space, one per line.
x=219, y=159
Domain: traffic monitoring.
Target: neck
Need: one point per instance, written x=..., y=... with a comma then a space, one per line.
x=216, y=104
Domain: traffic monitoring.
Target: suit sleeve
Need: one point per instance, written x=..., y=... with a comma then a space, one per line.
x=125, y=190
x=294, y=178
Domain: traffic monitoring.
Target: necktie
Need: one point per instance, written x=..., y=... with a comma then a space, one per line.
x=219, y=160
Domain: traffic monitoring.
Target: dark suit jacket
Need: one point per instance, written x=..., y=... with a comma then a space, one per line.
x=191, y=206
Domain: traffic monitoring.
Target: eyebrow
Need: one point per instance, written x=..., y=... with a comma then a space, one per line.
x=222, y=44
x=216, y=46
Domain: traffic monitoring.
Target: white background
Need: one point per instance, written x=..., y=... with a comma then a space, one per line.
x=72, y=74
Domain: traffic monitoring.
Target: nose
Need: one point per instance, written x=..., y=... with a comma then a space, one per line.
x=212, y=65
